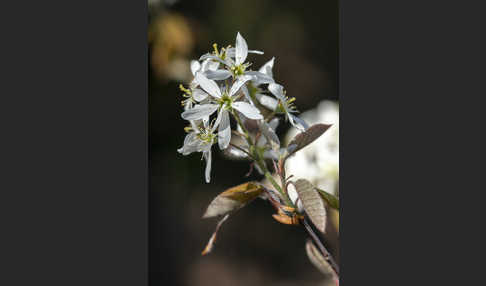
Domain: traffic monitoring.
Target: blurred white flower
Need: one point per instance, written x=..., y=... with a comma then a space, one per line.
x=319, y=162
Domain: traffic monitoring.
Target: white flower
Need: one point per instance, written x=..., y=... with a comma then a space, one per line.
x=265, y=100
x=223, y=101
x=319, y=161
x=207, y=66
x=200, y=140
x=285, y=105
x=234, y=60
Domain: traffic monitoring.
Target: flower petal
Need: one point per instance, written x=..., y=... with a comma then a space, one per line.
x=209, y=64
x=195, y=66
x=199, y=95
x=208, y=85
x=217, y=74
x=190, y=144
x=296, y=121
x=267, y=101
x=241, y=49
x=207, y=156
x=267, y=68
x=238, y=83
x=260, y=78
x=247, y=109
x=212, y=57
x=277, y=90
x=274, y=123
x=245, y=91
x=255, y=52
x=224, y=131
x=199, y=111
x=268, y=132
x=231, y=52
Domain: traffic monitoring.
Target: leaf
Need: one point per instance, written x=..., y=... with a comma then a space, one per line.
x=307, y=137
x=330, y=199
x=212, y=239
x=233, y=199
x=319, y=261
x=312, y=202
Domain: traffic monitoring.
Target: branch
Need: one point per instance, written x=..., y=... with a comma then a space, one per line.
x=323, y=249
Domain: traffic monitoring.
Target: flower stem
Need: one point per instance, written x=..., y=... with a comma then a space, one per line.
x=260, y=160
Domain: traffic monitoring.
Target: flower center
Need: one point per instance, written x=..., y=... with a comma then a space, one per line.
x=225, y=101
x=238, y=70
x=206, y=136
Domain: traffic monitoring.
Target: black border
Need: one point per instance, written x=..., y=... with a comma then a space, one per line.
x=75, y=143
x=74, y=154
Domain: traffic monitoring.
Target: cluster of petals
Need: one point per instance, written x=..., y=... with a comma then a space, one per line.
x=220, y=89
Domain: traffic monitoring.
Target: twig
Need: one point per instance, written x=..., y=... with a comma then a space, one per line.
x=323, y=249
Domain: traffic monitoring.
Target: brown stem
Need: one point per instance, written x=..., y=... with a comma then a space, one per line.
x=323, y=249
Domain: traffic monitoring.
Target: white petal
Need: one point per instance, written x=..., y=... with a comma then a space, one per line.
x=292, y=192
x=208, y=85
x=205, y=121
x=238, y=83
x=298, y=122
x=277, y=90
x=207, y=156
x=234, y=153
x=190, y=144
x=274, y=123
x=260, y=78
x=199, y=111
x=188, y=105
x=195, y=66
x=218, y=120
x=267, y=68
x=212, y=57
x=247, y=110
x=267, y=101
x=224, y=131
x=229, y=62
x=199, y=94
x=241, y=49
x=230, y=52
x=247, y=94
x=209, y=65
x=194, y=125
x=217, y=74
x=255, y=52
x=268, y=132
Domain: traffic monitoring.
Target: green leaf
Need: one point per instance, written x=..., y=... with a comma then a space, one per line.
x=233, y=199
x=312, y=202
x=316, y=257
x=307, y=137
x=330, y=199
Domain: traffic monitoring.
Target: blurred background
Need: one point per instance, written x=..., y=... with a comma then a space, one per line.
x=252, y=248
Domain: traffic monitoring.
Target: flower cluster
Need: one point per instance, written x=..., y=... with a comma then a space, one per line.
x=224, y=86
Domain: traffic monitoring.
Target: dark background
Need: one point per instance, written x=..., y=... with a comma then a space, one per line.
x=252, y=248
x=74, y=144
